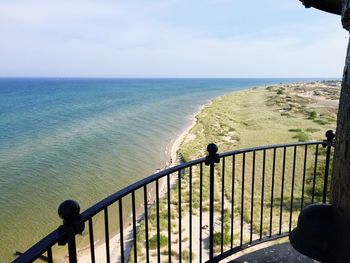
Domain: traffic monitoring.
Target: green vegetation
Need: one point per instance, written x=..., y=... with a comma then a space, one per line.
x=313, y=115
x=226, y=239
x=279, y=92
x=312, y=130
x=301, y=137
x=186, y=255
x=163, y=241
x=258, y=117
x=239, y=120
x=255, y=117
x=294, y=130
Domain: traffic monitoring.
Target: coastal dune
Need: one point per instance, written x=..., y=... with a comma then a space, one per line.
x=259, y=116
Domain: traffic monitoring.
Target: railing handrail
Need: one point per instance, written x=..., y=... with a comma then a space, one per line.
x=268, y=147
x=40, y=247
x=98, y=207
x=54, y=237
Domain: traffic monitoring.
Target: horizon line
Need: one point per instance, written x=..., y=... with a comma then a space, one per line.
x=194, y=77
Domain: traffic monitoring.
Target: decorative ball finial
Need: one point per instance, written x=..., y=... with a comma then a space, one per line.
x=330, y=135
x=213, y=156
x=69, y=210
x=212, y=149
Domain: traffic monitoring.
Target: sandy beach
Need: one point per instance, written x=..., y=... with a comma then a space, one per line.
x=100, y=247
x=188, y=137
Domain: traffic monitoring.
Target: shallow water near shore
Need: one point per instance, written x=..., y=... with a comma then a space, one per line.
x=84, y=139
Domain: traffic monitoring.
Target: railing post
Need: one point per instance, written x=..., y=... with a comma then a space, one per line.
x=210, y=161
x=72, y=224
x=328, y=143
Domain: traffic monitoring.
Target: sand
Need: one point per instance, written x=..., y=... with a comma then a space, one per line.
x=186, y=135
x=115, y=254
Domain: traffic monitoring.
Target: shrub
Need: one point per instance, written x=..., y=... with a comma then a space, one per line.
x=301, y=136
x=186, y=255
x=163, y=241
x=313, y=115
x=294, y=130
x=285, y=114
x=312, y=130
x=217, y=239
x=321, y=122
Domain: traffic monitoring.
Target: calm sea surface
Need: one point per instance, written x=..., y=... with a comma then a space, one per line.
x=84, y=139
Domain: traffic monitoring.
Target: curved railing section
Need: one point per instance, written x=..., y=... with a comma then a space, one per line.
x=199, y=211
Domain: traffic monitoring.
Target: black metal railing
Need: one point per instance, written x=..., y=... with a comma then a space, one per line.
x=199, y=211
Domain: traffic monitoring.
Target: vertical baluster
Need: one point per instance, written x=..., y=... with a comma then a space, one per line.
x=91, y=238
x=292, y=192
x=179, y=206
x=107, y=235
x=232, y=196
x=158, y=226
x=242, y=198
x=282, y=186
x=304, y=175
x=315, y=173
x=328, y=144
x=210, y=161
x=190, y=213
x=222, y=203
x=134, y=225
x=121, y=230
x=211, y=216
x=200, y=209
x=72, y=224
x=272, y=188
x=146, y=221
x=262, y=194
x=49, y=255
x=252, y=199
x=169, y=218
x=72, y=251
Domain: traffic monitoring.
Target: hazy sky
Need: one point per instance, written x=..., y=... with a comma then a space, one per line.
x=169, y=38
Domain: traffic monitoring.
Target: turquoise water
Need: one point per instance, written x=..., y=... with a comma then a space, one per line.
x=84, y=139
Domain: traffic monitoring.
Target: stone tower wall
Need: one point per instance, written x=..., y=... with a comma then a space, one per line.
x=341, y=171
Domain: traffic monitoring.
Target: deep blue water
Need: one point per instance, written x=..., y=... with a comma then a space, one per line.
x=85, y=139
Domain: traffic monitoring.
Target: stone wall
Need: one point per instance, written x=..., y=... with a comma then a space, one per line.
x=340, y=195
x=341, y=172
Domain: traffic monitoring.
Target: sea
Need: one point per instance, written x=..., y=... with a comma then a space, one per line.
x=84, y=139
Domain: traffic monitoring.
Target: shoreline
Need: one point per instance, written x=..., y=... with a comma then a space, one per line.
x=180, y=139
x=175, y=142
x=174, y=145
x=100, y=245
x=173, y=160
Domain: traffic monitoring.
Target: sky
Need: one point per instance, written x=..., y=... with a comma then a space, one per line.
x=169, y=38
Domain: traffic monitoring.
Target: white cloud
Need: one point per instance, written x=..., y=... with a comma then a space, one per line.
x=150, y=38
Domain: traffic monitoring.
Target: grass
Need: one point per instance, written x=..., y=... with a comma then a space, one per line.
x=226, y=239
x=301, y=137
x=313, y=115
x=256, y=119
x=163, y=241
x=240, y=120
x=186, y=256
x=294, y=130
